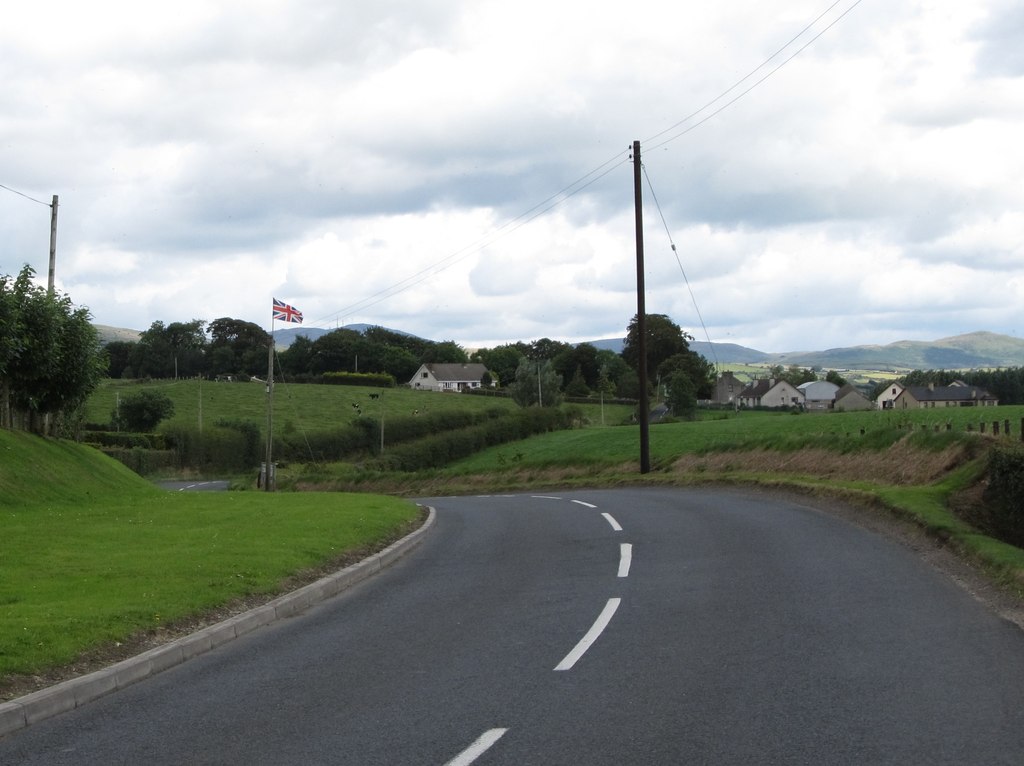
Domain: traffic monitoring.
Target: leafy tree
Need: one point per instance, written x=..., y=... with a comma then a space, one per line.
x=339, y=351
x=445, y=352
x=835, y=378
x=187, y=341
x=142, y=412
x=502, y=361
x=581, y=358
x=49, y=353
x=577, y=386
x=700, y=372
x=528, y=391
x=297, y=359
x=119, y=358
x=682, y=395
x=237, y=347
x=664, y=339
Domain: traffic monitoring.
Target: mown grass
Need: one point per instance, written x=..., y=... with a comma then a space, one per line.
x=91, y=554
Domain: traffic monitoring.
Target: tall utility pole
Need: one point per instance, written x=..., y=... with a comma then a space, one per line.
x=53, y=243
x=641, y=317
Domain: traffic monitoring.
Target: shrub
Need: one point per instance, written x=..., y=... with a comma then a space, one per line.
x=1004, y=492
x=142, y=411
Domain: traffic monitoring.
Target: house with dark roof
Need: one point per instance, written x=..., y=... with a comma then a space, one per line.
x=448, y=377
x=957, y=395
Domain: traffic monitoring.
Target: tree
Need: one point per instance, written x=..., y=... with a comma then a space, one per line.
x=297, y=359
x=142, y=412
x=698, y=369
x=237, y=347
x=682, y=396
x=502, y=361
x=582, y=359
x=528, y=390
x=445, y=352
x=664, y=339
x=119, y=358
x=49, y=353
x=835, y=378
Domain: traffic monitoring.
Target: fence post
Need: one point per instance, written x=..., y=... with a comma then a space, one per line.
x=981, y=426
x=995, y=428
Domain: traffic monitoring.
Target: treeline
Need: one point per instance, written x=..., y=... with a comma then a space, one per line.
x=50, y=357
x=544, y=369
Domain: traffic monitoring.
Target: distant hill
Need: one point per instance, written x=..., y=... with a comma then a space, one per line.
x=960, y=352
x=110, y=334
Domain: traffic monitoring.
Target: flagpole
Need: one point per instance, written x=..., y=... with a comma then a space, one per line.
x=268, y=482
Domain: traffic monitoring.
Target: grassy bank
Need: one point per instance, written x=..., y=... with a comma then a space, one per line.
x=92, y=555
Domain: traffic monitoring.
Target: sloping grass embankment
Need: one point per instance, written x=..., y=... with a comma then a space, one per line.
x=92, y=556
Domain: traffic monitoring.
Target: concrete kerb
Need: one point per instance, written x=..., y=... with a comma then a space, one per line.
x=45, y=703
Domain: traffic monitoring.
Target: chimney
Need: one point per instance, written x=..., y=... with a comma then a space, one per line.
x=931, y=386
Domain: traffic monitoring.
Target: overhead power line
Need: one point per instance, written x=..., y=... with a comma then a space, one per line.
x=602, y=170
x=22, y=194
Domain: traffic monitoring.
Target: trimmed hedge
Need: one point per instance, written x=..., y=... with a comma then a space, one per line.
x=375, y=379
x=1004, y=495
x=440, y=449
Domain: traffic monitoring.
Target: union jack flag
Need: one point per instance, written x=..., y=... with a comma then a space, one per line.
x=286, y=313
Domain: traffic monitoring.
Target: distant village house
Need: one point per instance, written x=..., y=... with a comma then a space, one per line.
x=959, y=394
x=819, y=395
x=769, y=392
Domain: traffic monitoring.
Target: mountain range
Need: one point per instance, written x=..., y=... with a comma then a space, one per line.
x=959, y=352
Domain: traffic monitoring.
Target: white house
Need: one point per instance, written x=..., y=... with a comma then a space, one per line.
x=885, y=400
x=448, y=377
x=769, y=392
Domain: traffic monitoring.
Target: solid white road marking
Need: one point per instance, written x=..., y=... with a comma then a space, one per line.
x=614, y=524
x=478, y=748
x=545, y=497
x=625, y=559
x=592, y=635
x=587, y=505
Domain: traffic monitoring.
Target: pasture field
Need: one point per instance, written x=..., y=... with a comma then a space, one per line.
x=307, y=407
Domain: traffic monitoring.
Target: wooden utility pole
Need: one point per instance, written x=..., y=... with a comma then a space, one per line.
x=53, y=243
x=641, y=317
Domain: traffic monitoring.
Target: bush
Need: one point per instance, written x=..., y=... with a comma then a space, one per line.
x=1004, y=492
x=142, y=411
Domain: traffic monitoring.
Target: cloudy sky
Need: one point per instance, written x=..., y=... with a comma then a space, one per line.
x=460, y=169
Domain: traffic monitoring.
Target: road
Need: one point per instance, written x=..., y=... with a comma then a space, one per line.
x=634, y=626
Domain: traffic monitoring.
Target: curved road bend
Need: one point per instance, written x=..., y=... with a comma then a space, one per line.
x=654, y=626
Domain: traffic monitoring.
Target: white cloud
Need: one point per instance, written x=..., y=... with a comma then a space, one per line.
x=399, y=162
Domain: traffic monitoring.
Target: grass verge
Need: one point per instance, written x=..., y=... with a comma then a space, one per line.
x=93, y=556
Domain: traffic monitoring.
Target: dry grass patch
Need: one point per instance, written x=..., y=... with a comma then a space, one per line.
x=900, y=465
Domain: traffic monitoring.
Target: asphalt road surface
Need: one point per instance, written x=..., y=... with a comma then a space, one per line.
x=635, y=626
